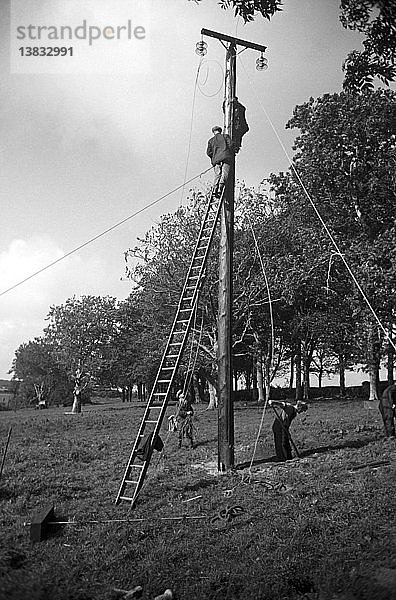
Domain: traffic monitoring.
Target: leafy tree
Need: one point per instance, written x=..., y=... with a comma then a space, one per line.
x=248, y=9
x=346, y=155
x=376, y=19
x=42, y=378
x=81, y=332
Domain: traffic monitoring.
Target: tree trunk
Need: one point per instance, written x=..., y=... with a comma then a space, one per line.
x=248, y=379
x=260, y=382
x=235, y=380
x=212, y=397
x=374, y=348
x=297, y=362
x=291, y=380
x=76, y=408
x=320, y=376
x=306, y=365
x=341, y=362
x=201, y=380
x=254, y=374
x=390, y=359
x=194, y=381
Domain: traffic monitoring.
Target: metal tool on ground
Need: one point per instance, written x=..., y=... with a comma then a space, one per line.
x=5, y=451
x=45, y=521
x=40, y=523
x=286, y=430
x=136, y=470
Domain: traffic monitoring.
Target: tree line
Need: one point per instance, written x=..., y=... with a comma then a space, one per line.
x=345, y=156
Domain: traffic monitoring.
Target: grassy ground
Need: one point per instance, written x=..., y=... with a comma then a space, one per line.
x=322, y=525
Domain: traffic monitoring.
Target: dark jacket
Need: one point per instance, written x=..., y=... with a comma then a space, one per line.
x=221, y=149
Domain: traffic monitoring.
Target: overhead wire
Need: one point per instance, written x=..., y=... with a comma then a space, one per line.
x=272, y=337
x=325, y=227
x=191, y=127
x=198, y=85
x=103, y=233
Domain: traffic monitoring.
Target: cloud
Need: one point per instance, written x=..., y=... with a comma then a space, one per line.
x=23, y=309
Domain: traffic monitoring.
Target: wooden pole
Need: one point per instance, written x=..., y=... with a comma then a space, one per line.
x=224, y=356
x=225, y=383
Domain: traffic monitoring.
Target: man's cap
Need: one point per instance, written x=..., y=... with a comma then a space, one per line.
x=216, y=128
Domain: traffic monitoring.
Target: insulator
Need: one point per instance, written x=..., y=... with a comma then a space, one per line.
x=201, y=48
x=261, y=63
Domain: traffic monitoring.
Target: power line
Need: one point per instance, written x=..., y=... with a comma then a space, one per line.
x=103, y=233
x=191, y=127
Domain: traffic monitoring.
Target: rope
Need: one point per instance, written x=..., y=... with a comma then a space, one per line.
x=206, y=79
x=272, y=339
x=103, y=233
x=333, y=241
x=191, y=128
x=227, y=514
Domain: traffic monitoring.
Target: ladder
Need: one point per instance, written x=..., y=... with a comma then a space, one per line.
x=154, y=413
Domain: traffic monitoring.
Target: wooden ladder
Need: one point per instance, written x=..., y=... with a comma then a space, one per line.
x=137, y=467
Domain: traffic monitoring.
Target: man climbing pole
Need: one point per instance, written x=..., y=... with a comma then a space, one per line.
x=387, y=405
x=239, y=123
x=282, y=424
x=221, y=151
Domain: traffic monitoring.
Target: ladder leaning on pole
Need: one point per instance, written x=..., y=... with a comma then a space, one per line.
x=136, y=468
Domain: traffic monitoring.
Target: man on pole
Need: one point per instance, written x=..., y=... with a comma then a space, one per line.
x=221, y=151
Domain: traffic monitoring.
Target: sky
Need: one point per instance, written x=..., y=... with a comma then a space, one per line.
x=80, y=151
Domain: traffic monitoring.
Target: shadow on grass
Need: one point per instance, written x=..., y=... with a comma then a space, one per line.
x=310, y=452
x=258, y=461
x=346, y=444
x=204, y=442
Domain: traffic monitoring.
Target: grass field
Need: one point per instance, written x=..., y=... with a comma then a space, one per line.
x=322, y=525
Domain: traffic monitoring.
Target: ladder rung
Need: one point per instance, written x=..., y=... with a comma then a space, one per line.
x=130, y=481
x=167, y=368
x=163, y=380
x=159, y=394
x=175, y=344
x=151, y=422
x=135, y=466
x=185, y=309
x=174, y=355
x=126, y=498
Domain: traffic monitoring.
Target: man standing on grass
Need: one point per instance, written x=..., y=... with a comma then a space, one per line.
x=282, y=424
x=387, y=409
x=221, y=151
x=184, y=417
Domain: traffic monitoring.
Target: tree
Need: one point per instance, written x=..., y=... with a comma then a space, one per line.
x=376, y=19
x=81, y=332
x=247, y=9
x=346, y=157
x=42, y=378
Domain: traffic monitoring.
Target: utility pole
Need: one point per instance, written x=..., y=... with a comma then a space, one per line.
x=226, y=249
